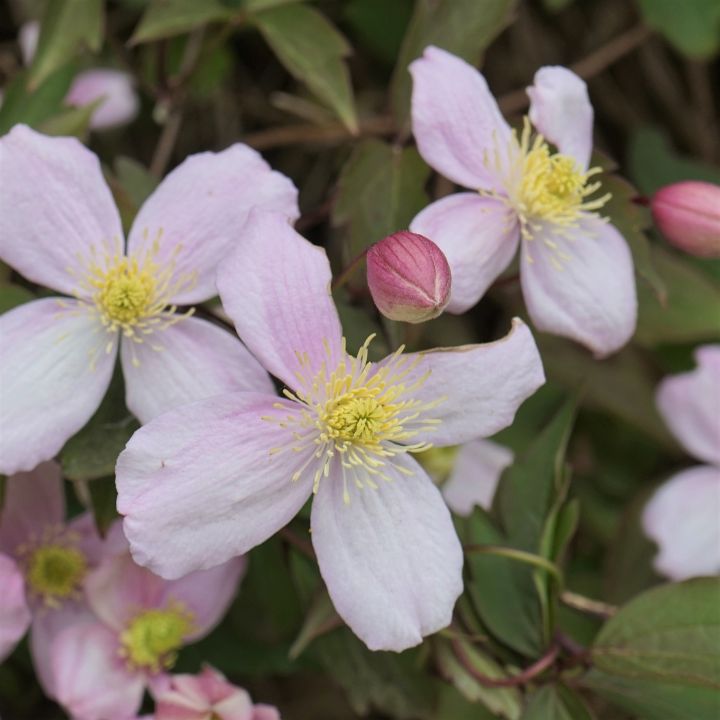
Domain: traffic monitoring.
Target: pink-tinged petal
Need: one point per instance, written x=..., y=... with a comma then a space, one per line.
x=28, y=39
x=455, y=119
x=47, y=624
x=587, y=293
x=390, y=557
x=91, y=681
x=118, y=588
x=207, y=594
x=94, y=547
x=189, y=361
x=14, y=612
x=276, y=288
x=54, y=206
x=560, y=109
x=199, y=484
x=116, y=90
x=48, y=388
x=32, y=502
x=479, y=237
x=690, y=405
x=478, y=467
x=200, y=209
x=683, y=518
x=480, y=386
x=265, y=712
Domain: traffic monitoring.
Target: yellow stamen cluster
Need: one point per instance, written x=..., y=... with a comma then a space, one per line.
x=152, y=638
x=543, y=187
x=54, y=568
x=359, y=414
x=132, y=294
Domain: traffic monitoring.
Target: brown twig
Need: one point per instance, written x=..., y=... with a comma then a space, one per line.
x=345, y=275
x=587, y=67
x=301, y=544
x=522, y=678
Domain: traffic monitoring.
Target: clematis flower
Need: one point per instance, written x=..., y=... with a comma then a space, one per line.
x=52, y=556
x=14, y=612
x=683, y=516
x=59, y=227
x=468, y=475
x=576, y=269
x=115, y=89
x=138, y=623
x=207, y=696
x=215, y=478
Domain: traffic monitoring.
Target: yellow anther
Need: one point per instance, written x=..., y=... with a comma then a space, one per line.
x=125, y=292
x=55, y=572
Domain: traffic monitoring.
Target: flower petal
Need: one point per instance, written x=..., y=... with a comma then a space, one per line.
x=683, y=518
x=91, y=681
x=200, y=209
x=48, y=389
x=199, y=485
x=690, y=405
x=480, y=386
x=32, y=502
x=188, y=361
x=14, y=612
x=54, y=206
x=390, y=558
x=276, y=288
x=587, y=292
x=479, y=237
x=560, y=109
x=455, y=118
x=116, y=90
x=478, y=467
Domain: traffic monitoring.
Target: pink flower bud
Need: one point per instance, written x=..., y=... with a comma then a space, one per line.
x=688, y=214
x=409, y=277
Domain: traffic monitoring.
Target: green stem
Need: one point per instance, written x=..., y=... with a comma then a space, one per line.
x=520, y=556
x=344, y=276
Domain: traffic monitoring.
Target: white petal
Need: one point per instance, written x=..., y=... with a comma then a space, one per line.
x=188, y=361
x=390, y=557
x=54, y=370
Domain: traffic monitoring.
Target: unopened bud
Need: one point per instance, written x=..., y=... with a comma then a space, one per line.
x=688, y=215
x=409, y=277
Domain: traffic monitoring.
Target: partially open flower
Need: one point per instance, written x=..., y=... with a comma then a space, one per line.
x=688, y=214
x=409, y=277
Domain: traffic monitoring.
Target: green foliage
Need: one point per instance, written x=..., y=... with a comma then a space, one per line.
x=312, y=50
x=165, y=18
x=556, y=702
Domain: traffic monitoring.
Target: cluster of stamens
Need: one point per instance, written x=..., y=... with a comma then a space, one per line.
x=358, y=415
x=152, y=638
x=543, y=187
x=132, y=294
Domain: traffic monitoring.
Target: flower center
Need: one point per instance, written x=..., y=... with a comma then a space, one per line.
x=153, y=637
x=359, y=416
x=125, y=292
x=55, y=572
x=542, y=186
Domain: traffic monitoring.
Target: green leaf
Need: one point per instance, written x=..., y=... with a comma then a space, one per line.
x=692, y=308
x=654, y=700
x=67, y=27
x=692, y=26
x=529, y=486
x=379, y=25
x=73, y=121
x=463, y=27
x=92, y=452
x=503, y=702
x=165, y=18
x=313, y=51
x=380, y=189
x=453, y=706
x=556, y=702
x=103, y=497
x=670, y=634
x=131, y=185
x=13, y=295
x=320, y=618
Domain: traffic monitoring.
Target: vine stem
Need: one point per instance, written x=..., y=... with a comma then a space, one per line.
x=344, y=276
x=587, y=605
x=520, y=556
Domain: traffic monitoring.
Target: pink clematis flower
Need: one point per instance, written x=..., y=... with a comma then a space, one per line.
x=14, y=613
x=60, y=228
x=576, y=269
x=683, y=516
x=52, y=556
x=207, y=696
x=469, y=474
x=102, y=663
x=119, y=102
x=215, y=478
